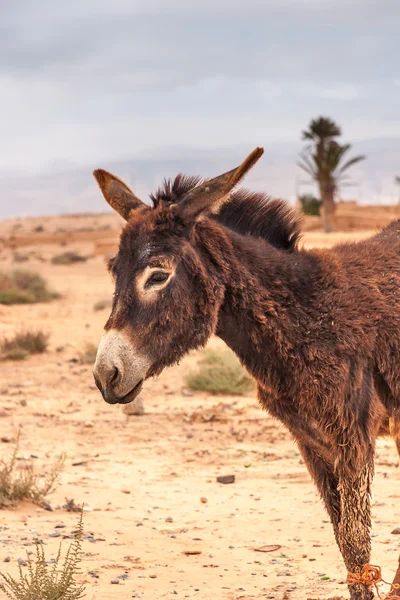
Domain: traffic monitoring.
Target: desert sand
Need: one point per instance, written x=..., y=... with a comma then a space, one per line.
x=154, y=510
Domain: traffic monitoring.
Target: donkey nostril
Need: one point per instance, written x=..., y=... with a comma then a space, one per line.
x=114, y=376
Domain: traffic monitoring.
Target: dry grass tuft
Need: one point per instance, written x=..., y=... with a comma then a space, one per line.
x=24, y=287
x=45, y=581
x=88, y=354
x=102, y=304
x=20, y=481
x=220, y=373
x=22, y=344
x=68, y=258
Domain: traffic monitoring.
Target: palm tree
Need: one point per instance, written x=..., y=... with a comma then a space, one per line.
x=397, y=182
x=323, y=161
x=321, y=130
x=327, y=166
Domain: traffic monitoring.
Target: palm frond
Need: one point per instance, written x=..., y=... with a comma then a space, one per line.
x=351, y=162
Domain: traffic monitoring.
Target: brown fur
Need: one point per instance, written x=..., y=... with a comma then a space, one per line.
x=318, y=330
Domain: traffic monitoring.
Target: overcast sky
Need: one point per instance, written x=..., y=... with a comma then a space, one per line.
x=85, y=80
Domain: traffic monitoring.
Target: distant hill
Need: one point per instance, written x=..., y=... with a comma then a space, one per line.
x=73, y=189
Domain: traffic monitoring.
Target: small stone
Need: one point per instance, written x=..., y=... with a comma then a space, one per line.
x=114, y=581
x=88, y=424
x=169, y=520
x=22, y=562
x=125, y=491
x=203, y=500
x=153, y=576
x=226, y=479
x=134, y=408
x=7, y=559
x=59, y=526
x=396, y=531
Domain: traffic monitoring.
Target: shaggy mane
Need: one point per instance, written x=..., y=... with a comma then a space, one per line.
x=246, y=213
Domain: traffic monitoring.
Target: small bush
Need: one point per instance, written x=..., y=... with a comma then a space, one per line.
x=23, y=343
x=88, y=354
x=220, y=373
x=68, y=258
x=102, y=304
x=46, y=581
x=310, y=205
x=22, y=482
x=24, y=287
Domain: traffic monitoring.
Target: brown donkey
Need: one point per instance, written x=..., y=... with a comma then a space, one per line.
x=318, y=330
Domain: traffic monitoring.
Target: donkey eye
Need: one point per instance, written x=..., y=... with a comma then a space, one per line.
x=157, y=277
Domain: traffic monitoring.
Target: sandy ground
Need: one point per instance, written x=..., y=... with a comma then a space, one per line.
x=143, y=479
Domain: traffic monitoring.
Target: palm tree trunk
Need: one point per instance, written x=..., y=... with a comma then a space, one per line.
x=327, y=190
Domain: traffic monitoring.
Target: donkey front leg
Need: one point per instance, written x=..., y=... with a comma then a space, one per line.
x=354, y=525
x=326, y=481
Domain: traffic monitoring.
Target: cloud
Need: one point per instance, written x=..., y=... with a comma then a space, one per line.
x=92, y=81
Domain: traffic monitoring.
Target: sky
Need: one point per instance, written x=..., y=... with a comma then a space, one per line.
x=85, y=83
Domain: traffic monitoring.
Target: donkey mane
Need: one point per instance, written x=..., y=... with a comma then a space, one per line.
x=246, y=213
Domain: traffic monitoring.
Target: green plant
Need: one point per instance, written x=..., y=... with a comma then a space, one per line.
x=24, y=287
x=23, y=343
x=310, y=205
x=22, y=482
x=49, y=582
x=220, y=373
x=68, y=258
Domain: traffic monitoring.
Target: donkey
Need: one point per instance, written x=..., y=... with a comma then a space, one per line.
x=318, y=330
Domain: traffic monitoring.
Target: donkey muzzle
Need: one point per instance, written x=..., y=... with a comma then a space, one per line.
x=119, y=370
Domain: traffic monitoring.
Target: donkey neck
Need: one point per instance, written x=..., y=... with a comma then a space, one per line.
x=268, y=302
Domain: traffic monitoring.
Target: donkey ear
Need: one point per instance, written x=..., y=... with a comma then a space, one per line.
x=208, y=196
x=117, y=193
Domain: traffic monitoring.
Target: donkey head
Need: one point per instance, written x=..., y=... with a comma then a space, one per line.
x=167, y=293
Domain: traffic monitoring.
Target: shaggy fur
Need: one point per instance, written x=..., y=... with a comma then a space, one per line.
x=247, y=213
x=318, y=330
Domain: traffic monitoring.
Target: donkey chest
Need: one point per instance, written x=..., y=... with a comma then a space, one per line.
x=303, y=420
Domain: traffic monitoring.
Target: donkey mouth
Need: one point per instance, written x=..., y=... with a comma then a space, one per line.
x=129, y=397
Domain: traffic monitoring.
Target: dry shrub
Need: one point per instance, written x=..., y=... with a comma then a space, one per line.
x=45, y=581
x=102, y=304
x=88, y=354
x=68, y=258
x=23, y=343
x=220, y=373
x=20, y=481
x=24, y=287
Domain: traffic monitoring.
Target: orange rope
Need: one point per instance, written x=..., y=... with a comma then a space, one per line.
x=371, y=575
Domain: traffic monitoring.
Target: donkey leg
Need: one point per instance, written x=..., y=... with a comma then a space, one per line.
x=354, y=526
x=326, y=482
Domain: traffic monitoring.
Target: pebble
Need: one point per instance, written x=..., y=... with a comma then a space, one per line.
x=22, y=562
x=226, y=479
x=114, y=581
x=203, y=500
x=7, y=559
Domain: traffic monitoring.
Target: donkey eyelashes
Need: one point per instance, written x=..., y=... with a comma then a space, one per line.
x=156, y=278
